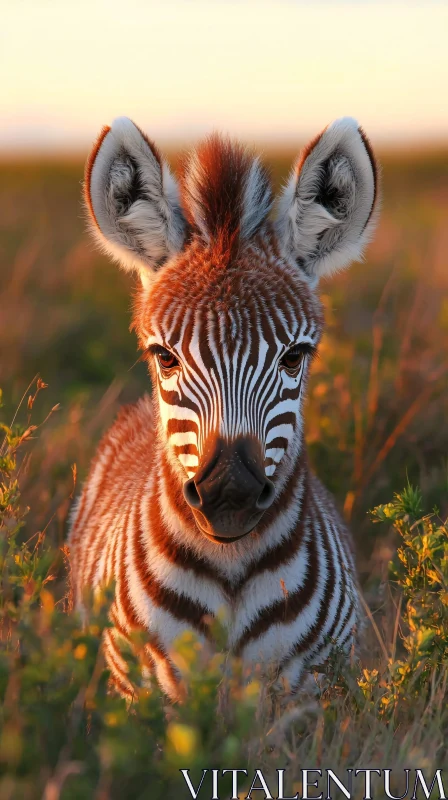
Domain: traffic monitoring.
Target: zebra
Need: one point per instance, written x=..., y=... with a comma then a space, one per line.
x=201, y=497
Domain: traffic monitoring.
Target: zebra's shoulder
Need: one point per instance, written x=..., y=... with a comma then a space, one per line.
x=134, y=422
x=132, y=419
x=127, y=444
x=332, y=514
x=121, y=452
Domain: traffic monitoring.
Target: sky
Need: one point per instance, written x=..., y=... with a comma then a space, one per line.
x=263, y=71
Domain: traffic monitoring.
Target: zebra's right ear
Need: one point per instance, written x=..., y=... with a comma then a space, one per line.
x=328, y=209
x=132, y=199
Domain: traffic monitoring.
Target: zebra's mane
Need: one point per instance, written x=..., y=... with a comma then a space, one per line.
x=226, y=191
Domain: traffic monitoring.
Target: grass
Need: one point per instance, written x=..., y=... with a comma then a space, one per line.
x=376, y=421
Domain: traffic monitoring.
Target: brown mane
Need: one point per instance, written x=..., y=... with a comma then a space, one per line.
x=215, y=191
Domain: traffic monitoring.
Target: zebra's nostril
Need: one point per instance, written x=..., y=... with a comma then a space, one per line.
x=191, y=494
x=266, y=498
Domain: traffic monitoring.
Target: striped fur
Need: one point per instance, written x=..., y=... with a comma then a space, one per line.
x=229, y=306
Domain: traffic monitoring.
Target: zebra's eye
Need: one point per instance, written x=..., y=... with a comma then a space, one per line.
x=167, y=360
x=294, y=357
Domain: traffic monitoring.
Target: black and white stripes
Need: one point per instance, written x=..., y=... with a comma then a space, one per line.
x=229, y=380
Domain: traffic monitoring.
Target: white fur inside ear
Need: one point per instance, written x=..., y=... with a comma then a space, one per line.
x=135, y=200
x=326, y=211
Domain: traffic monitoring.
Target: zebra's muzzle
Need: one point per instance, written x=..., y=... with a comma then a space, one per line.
x=230, y=491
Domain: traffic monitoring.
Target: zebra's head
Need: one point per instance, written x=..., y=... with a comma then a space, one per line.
x=227, y=311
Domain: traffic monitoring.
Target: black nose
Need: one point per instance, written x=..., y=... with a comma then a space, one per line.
x=230, y=491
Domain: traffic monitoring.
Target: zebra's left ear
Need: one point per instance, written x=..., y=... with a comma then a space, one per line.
x=132, y=199
x=327, y=211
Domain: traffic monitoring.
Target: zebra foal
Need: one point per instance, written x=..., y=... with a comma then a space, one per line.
x=202, y=497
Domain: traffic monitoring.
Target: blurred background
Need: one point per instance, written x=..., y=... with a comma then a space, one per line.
x=273, y=74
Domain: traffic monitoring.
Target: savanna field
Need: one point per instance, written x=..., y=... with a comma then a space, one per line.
x=378, y=436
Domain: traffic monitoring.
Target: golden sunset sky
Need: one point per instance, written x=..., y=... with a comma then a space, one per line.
x=264, y=71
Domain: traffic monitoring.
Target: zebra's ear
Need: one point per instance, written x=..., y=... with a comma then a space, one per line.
x=132, y=199
x=327, y=211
